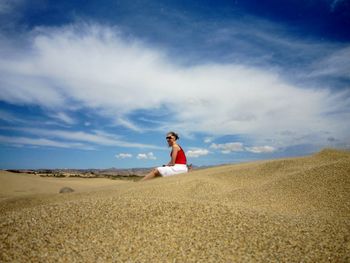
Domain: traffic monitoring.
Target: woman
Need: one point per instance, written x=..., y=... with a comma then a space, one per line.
x=178, y=161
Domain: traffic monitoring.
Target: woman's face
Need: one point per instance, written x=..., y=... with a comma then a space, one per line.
x=170, y=139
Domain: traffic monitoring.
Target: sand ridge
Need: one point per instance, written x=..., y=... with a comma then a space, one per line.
x=290, y=210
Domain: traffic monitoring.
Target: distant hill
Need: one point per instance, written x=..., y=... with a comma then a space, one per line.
x=91, y=173
x=88, y=173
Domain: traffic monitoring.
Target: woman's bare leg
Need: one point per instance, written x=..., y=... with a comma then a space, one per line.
x=154, y=173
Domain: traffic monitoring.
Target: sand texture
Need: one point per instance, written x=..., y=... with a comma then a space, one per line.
x=290, y=210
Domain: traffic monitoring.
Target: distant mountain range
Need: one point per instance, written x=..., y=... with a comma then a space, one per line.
x=91, y=173
x=85, y=173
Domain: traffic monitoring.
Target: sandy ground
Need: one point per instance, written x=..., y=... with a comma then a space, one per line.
x=20, y=185
x=291, y=210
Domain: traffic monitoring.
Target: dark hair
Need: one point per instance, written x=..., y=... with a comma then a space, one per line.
x=174, y=134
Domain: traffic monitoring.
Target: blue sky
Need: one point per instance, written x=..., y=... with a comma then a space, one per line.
x=98, y=84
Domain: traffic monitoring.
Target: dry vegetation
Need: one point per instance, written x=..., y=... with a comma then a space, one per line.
x=291, y=210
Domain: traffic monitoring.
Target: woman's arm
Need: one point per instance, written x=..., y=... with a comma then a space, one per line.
x=173, y=155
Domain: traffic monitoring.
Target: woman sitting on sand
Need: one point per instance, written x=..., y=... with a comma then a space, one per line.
x=178, y=161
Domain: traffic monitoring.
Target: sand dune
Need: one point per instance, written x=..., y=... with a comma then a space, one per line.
x=290, y=210
x=20, y=184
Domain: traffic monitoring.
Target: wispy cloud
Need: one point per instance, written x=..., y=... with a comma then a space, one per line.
x=123, y=75
x=261, y=149
x=128, y=124
x=337, y=64
x=19, y=141
x=97, y=137
x=197, y=153
x=53, y=119
x=228, y=147
x=64, y=117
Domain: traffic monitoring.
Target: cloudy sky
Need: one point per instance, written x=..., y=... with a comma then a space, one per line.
x=98, y=84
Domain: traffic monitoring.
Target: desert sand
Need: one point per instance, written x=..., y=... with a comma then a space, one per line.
x=287, y=210
x=21, y=184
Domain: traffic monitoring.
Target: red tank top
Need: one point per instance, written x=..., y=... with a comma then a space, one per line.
x=181, y=157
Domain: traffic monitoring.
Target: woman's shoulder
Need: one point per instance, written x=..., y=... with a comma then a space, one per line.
x=177, y=147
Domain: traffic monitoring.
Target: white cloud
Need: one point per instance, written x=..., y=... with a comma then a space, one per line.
x=146, y=156
x=96, y=137
x=128, y=124
x=123, y=155
x=228, y=147
x=16, y=140
x=28, y=120
x=121, y=76
x=239, y=147
x=337, y=64
x=64, y=117
x=261, y=149
x=197, y=153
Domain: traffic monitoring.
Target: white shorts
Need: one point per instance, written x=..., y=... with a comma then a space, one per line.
x=172, y=170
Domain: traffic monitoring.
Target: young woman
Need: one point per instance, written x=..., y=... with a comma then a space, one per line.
x=178, y=161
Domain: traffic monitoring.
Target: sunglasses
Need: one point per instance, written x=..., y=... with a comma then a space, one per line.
x=168, y=138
